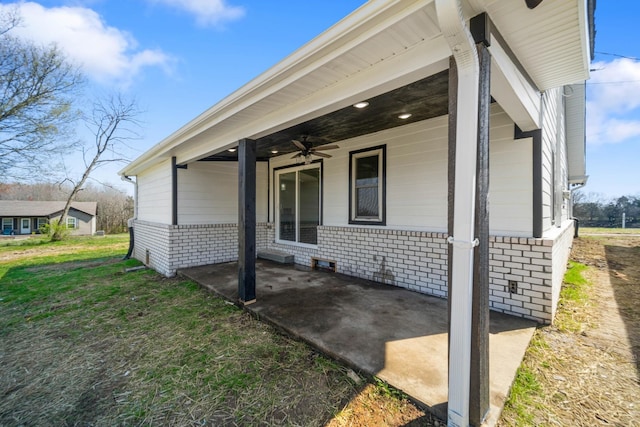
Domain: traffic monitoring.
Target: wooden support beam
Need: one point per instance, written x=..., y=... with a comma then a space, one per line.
x=451, y=175
x=246, y=221
x=479, y=401
x=174, y=192
x=536, y=137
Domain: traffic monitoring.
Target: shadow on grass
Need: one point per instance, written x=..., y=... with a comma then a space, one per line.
x=624, y=273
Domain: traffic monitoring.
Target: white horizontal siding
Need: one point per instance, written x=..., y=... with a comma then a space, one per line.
x=510, y=179
x=208, y=193
x=555, y=174
x=417, y=177
x=154, y=193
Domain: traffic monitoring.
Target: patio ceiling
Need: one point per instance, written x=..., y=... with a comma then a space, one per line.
x=424, y=99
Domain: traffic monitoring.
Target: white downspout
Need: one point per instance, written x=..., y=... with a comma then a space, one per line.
x=135, y=194
x=456, y=32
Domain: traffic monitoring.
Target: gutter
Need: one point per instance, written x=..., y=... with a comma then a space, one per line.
x=463, y=241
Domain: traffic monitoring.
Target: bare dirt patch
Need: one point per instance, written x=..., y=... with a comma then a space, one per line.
x=589, y=376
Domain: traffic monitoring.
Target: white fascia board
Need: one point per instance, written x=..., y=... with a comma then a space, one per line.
x=364, y=23
x=519, y=98
x=421, y=61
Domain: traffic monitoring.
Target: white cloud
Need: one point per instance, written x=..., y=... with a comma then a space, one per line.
x=206, y=12
x=106, y=54
x=613, y=102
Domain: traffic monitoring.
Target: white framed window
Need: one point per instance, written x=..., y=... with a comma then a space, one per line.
x=298, y=203
x=7, y=223
x=71, y=222
x=367, y=186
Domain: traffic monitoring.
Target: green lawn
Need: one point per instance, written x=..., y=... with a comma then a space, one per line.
x=82, y=342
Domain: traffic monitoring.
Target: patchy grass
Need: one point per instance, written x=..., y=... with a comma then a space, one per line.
x=574, y=314
x=582, y=370
x=82, y=342
x=603, y=230
x=528, y=397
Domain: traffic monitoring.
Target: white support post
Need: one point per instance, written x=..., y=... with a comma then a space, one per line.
x=463, y=241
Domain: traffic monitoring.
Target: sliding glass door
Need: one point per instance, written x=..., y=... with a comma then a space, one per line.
x=298, y=202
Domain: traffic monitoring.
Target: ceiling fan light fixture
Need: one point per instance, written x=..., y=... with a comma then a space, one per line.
x=404, y=116
x=362, y=104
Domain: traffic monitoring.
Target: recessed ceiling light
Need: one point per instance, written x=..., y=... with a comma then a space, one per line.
x=362, y=104
x=232, y=150
x=404, y=116
x=274, y=151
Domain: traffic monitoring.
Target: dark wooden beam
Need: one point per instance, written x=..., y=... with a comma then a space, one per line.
x=174, y=192
x=246, y=221
x=451, y=174
x=479, y=401
x=536, y=136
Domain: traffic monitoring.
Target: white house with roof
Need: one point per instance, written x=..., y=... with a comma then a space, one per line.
x=431, y=145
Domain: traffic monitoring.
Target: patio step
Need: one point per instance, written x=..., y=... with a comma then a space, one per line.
x=276, y=256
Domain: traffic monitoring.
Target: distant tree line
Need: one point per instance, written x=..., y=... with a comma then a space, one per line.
x=593, y=210
x=114, y=206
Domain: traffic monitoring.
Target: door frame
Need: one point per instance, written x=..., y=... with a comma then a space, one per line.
x=317, y=164
x=25, y=230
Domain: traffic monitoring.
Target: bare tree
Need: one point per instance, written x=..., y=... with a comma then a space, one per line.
x=112, y=123
x=37, y=89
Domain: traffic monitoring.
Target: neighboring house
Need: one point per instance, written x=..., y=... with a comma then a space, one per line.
x=27, y=217
x=379, y=207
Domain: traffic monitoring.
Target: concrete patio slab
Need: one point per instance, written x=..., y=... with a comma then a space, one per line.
x=398, y=335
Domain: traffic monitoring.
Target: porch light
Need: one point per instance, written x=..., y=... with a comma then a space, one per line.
x=232, y=150
x=404, y=116
x=274, y=151
x=362, y=104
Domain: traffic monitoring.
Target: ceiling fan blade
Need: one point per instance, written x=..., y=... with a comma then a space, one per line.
x=298, y=144
x=318, y=153
x=532, y=4
x=326, y=147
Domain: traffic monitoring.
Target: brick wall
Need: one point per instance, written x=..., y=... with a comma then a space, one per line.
x=414, y=260
x=418, y=261
x=172, y=247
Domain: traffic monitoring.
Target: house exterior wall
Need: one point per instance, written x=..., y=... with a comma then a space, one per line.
x=417, y=177
x=208, y=193
x=167, y=248
x=554, y=165
x=411, y=250
x=154, y=193
x=85, y=223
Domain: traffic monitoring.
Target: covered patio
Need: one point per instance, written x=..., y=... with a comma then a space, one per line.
x=397, y=335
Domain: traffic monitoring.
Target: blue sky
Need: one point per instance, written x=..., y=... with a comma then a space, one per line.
x=179, y=57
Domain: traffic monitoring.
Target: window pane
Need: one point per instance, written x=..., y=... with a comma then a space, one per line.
x=367, y=170
x=367, y=202
x=288, y=206
x=309, y=205
x=366, y=187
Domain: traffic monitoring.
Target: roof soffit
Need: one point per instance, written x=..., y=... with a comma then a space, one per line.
x=349, y=35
